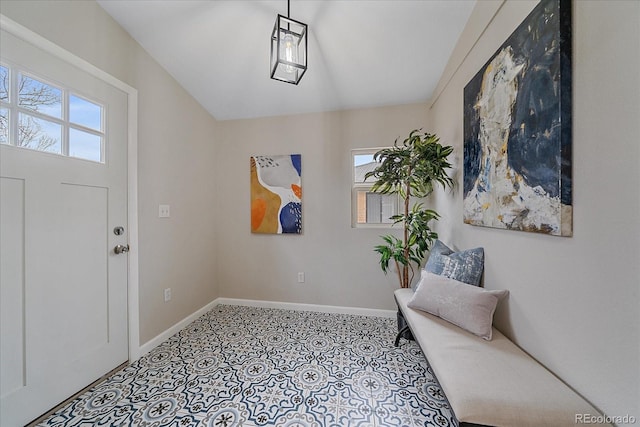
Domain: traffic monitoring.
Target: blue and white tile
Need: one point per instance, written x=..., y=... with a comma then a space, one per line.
x=250, y=367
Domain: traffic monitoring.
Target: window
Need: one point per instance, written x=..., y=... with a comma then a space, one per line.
x=369, y=208
x=41, y=116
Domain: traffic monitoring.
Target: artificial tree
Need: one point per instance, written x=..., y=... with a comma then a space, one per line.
x=411, y=170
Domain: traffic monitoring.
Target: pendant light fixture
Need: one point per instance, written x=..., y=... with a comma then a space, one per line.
x=288, y=49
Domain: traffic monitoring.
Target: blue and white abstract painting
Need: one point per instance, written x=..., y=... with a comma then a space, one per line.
x=517, y=129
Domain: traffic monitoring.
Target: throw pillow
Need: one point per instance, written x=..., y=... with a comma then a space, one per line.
x=464, y=266
x=468, y=307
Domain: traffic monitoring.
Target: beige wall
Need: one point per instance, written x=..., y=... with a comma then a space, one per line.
x=339, y=263
x=574, y=302
x=176, y=153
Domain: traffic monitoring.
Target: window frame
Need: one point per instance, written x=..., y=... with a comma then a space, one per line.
x=357, y=187
x=15, y=110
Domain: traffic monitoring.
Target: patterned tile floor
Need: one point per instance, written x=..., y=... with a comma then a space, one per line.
x=246, y=366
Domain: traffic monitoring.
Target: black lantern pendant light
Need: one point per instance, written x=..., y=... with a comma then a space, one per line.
x=288, y=49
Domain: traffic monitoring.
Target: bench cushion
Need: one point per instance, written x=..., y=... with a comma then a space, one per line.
x=492, y=383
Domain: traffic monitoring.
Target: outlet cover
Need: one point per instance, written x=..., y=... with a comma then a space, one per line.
x=167, y=295
x=301, y=277
x=164, y=211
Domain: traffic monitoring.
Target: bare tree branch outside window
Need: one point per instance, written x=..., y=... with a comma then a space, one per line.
x=36, y=96
x=4, y=112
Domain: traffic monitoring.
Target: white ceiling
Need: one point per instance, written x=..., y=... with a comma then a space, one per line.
x=362, y=53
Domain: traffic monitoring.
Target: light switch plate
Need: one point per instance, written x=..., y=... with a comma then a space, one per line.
x=164, y=211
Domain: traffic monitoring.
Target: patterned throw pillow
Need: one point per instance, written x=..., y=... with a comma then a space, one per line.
x=464, y=266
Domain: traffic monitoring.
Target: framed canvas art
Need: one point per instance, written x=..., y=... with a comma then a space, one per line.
x=517, y=129
x=276, y=194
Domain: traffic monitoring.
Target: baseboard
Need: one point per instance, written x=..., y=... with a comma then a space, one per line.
x=357, y=311
x=160, y=338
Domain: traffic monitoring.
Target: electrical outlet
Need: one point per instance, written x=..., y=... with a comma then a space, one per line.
x=301, y=277
x=164, y=211
x=167, y=295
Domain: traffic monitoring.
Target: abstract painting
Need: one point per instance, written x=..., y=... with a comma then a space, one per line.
x=276, y=194
x=517, y=129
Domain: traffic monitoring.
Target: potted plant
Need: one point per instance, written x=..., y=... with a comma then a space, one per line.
x=411, y=169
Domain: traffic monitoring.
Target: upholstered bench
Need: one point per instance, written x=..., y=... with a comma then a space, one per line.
x=492, y=382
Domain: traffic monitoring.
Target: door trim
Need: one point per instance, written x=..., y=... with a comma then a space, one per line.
x=37, y=40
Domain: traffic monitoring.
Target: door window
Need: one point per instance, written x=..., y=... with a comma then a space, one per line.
x=44, y=116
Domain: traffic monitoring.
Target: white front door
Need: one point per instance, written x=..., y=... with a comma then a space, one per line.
x=62, y=195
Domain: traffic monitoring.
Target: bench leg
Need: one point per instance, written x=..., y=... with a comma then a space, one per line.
x=400, y=333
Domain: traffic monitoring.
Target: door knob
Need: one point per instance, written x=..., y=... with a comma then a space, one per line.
x=121, y=249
